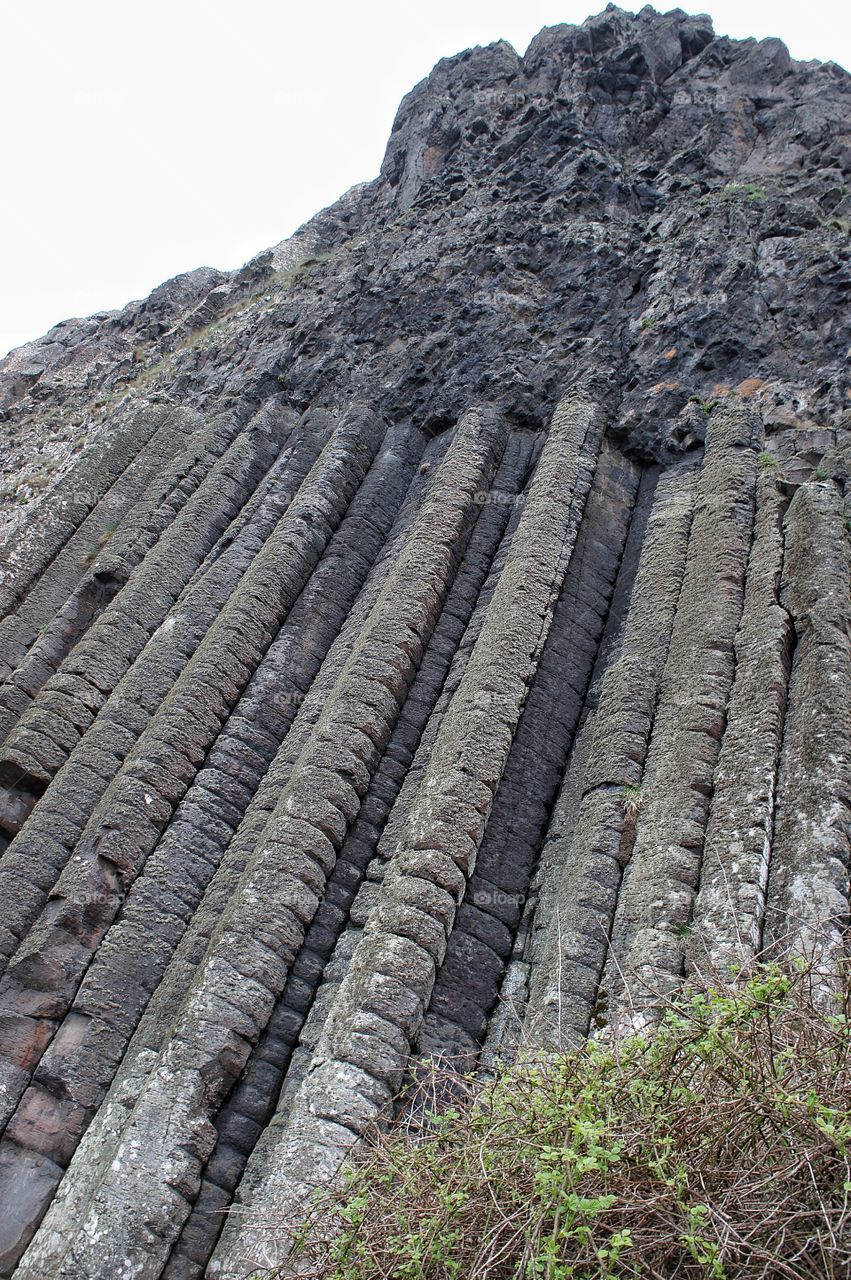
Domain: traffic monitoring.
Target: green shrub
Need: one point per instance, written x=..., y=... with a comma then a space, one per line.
x=751, y=190
x=717, y=1146
x=632, y=798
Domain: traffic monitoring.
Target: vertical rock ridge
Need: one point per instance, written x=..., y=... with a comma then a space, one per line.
x=127, y=821
x=380, y=1003
x=655, y=901
x=66, y=706
x=246, y=1111
x=590, y=837
x=468, y=981
x=377, y=830
x=77, y=1067
x=729, y=911
x=245, y=966
x=807, y=907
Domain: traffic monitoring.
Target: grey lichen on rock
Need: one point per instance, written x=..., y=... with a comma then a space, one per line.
x=430, y=642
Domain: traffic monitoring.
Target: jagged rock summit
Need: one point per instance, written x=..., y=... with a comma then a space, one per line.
x=429, y=639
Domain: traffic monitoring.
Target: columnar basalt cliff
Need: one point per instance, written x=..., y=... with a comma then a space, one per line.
x=430, y=640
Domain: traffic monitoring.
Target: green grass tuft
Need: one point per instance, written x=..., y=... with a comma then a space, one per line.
x=750, y=190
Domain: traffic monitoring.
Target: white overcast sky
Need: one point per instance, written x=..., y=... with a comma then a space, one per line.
x=141, y=140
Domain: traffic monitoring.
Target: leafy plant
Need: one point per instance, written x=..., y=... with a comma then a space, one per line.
x=718, y=1145
x=632, y=798
x=751, y=190
x=767, y=461
x=706, y=405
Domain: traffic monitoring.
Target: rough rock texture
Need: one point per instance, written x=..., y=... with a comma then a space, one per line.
x=430, y=640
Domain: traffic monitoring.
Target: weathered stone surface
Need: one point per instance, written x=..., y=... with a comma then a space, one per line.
x=381, y=1001
x=468, y=982
x=729, y=913
x=655, y=901
x=808, y=878
x=591, y=834
x=278, y=892
x=43, y=974
x=430, y=641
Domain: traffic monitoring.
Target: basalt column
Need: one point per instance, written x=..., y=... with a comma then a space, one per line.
x=381, y=1002
x=247, y=959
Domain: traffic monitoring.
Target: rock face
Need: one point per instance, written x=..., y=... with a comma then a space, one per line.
x=431, y=639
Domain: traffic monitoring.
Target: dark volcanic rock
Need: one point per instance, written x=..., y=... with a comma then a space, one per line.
x=433, y=634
